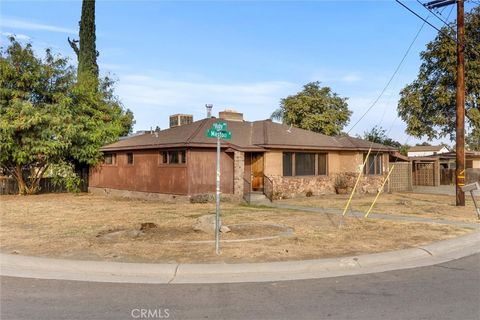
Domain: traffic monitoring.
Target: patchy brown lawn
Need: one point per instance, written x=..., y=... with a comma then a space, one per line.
x=408, y=203
x=99, y=228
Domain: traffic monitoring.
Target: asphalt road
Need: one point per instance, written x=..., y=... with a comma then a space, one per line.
x=446, y=291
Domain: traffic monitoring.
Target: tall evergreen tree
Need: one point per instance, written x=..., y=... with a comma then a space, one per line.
x=87, y=72
x=100, y=115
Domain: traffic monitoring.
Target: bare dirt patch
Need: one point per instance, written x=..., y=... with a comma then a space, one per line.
x=99, y=228
x=408, y=203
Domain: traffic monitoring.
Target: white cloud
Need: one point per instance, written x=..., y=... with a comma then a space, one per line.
x=351, y=77
x=17, y=36
x=153, y=99
x=28, y=25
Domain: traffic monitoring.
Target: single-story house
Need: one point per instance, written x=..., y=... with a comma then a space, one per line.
x=262, y=156
x=425, y=151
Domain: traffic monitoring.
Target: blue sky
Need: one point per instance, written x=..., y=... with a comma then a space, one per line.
x=176, y=56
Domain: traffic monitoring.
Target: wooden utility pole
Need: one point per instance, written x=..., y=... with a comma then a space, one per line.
x=460, y=120
x=460, y=98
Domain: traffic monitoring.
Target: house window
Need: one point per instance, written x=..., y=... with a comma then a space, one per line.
x=130, y=158
x=287, y=164
x=173, y=157
x=183, y=156
x=304, y=164
x=322, y=164
x=110, y=158
x=374, y=164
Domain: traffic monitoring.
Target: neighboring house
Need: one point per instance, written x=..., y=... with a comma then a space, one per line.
x=262, y=156
x=440, y=169
x=425, y=151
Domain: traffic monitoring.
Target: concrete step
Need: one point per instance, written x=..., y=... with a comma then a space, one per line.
x=258, y=198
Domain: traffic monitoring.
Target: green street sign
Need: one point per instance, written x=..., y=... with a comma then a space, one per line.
x=225, y=135
x=219, y=126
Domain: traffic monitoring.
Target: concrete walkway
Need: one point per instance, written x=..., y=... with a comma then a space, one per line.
x=443, y=189
x=390, y=217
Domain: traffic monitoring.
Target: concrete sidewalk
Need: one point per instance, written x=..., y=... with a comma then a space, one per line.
x=99, y=271
x=390, y=217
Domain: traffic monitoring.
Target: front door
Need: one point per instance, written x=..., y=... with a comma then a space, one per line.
x=257, y=171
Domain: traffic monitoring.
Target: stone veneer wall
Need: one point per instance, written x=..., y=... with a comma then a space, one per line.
x=289, y=187
x=238, y=171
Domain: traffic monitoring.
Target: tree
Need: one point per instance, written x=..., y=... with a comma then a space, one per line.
x=48, y=120
x=87, y=72
x=314, y=108
x=472, y=142
x=427, y=105
x=424, y=144
x=100, y=119
x=101, y=116
x=378, y=135
x=36, y=126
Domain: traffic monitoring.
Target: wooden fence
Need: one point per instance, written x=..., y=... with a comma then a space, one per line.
x=10, y=186
x=424, y=174
x=447, y=176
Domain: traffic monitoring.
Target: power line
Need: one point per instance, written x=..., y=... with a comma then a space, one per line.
x=424, y=20
x=391, y=78
x=435, y=15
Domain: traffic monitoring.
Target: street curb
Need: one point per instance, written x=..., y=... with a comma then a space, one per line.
x=101, y=271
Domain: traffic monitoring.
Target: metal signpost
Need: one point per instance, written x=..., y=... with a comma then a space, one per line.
x=219, y=131
x=471, y=188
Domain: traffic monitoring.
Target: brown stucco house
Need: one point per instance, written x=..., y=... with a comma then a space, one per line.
x=262, y=156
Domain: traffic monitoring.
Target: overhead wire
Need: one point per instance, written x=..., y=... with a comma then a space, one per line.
x=389, y=81
x=364, y=167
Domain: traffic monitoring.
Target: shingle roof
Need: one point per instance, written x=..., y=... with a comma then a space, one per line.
x=246, y=136
x=425, y=148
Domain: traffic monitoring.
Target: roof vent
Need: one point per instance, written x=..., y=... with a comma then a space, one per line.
x=209, y=110
x=229, y=114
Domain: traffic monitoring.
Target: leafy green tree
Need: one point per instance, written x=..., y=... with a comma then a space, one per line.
x=47, y=120
x=427, y=105
x=424, y=144
x=100, y=118
x=473, y=142
x=314, y=108
x=378, y=135
x=36, y=125
x=87, y=53
x=404, y=149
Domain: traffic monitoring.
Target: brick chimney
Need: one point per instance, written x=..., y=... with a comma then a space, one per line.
x=230, y=115
x=177, y=120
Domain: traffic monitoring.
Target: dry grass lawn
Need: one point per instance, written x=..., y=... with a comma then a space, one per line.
x=99, y=228
x=416, y=204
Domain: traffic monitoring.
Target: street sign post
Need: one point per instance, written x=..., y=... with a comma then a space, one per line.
x=218, y=131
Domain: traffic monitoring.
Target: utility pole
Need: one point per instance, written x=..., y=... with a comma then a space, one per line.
x=460, y=121
x=460, y=97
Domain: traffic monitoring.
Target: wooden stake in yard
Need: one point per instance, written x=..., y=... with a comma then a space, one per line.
x=379, y=191
x=356, y=183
